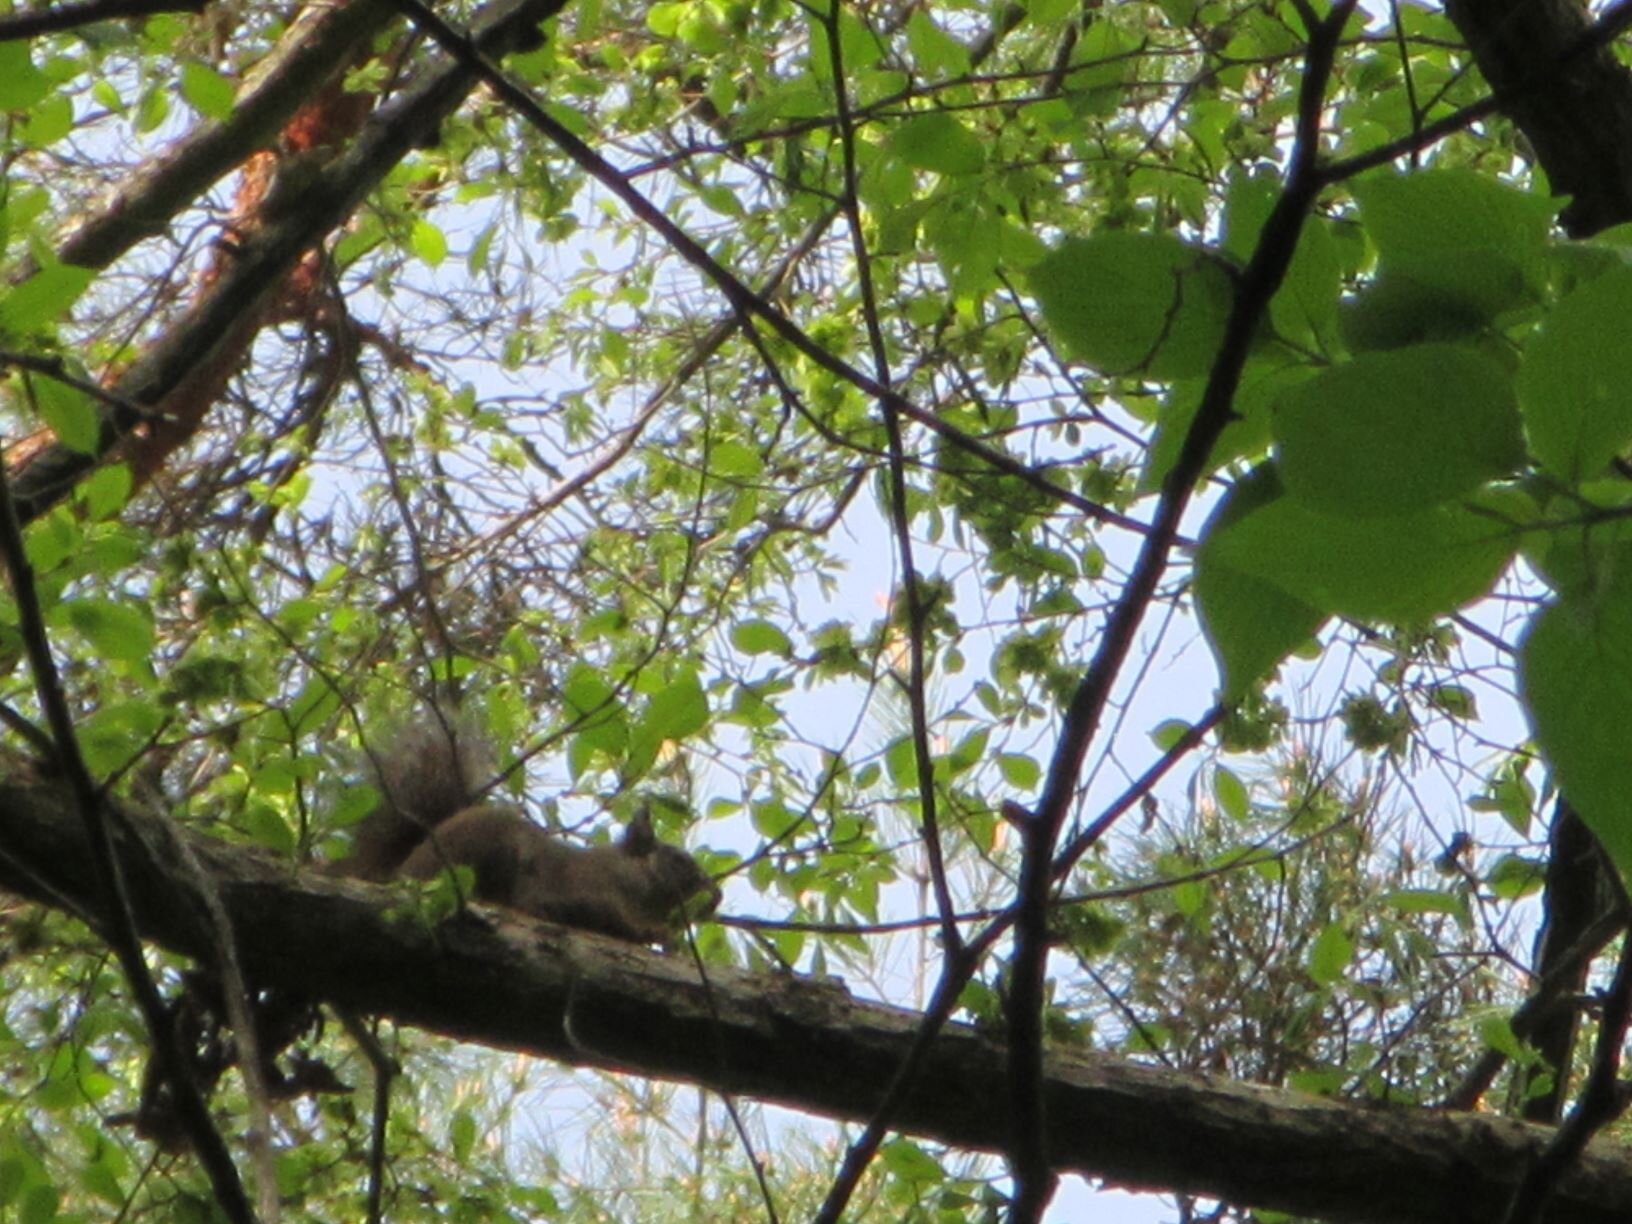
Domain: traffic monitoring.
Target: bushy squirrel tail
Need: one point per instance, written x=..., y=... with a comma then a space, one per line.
x=425, y=772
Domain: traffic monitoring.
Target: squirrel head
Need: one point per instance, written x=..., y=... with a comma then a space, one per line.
x=673, y=878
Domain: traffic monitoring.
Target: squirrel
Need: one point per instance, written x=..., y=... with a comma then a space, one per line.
x=425, y=822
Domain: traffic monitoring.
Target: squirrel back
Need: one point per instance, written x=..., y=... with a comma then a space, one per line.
x=425, y=775
x=633, y=890
x=425, y=822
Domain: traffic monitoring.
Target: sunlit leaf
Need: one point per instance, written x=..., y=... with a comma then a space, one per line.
x=1576, y=380
x=937, y=141
x=1135, y=303
x=1251, y=623
x=1400, y=568
x=1575, y=671
x=1393, y=432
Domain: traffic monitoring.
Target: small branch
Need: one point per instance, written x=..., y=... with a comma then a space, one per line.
x=384, y=1069
x=954, y=976
x=1085, y=841
x=1602, y=1101
x=53, y=367
x=1546, y=996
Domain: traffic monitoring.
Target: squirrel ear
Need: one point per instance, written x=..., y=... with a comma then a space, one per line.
x=638, y=837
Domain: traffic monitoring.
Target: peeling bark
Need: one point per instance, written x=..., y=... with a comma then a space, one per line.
x=297, y=213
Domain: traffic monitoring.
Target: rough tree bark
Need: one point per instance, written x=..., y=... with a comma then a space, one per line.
x=1577, y=117
x=503, y=981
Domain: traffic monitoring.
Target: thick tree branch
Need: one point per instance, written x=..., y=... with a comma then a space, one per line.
x=1556, y=76
x=584, y=1000
x=34, y=22
x=321, y=41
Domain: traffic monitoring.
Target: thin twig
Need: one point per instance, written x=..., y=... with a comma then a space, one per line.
x=384, y=1068
x=899, y=515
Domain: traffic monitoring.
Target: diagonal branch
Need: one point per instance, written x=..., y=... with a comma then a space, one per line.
x=1040, y=834
x=296, y=218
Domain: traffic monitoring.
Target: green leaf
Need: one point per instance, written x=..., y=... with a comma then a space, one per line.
x=1397, y=431
x=429, y=243
x=735, y=459
x=39, y=302
x=71, y=414
x=116, y=734
x=1135, y=303
x=592, y=704
x=1514, y=876
x=1330, y=954
x=462, y=1135
x=48, y=122
x=1426, y=901
x=105, y=491
x=117, y=630
x=970, y=751
x=267, y=827
x=774, y=821
x=1575, y=673
x=901, y=759
x=859, y=46
x=761, y=637
x=1478, y=241
x=1575, y=383
x=1021, y=772
x=206, y=90
x=1169, y=732
x=936, y=141
x=1498, y=1034
x=1395, y=310
x=1403, y=569
x=1250, y=623
x=40, y=1205
x=678, y=709
x=52, y=539
x=1231, y=794
x=21, y=84
x=906, y=1160
x=1319, y=1081
x=934, y=51
x=152, y=109
x=663, y=19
